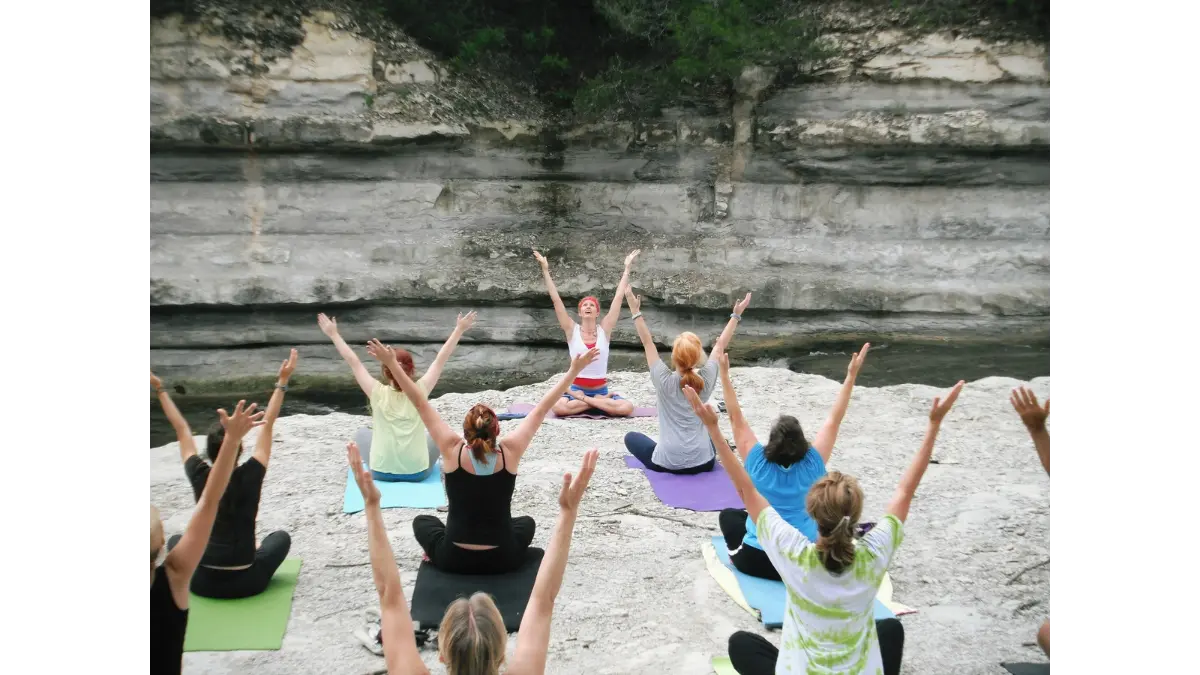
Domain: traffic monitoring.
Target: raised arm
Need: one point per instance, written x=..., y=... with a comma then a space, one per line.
x=447, y=441
x=530, y=655
x=262, y=447
x=364, y=379
x=187, y=442
x=431, y=376
x=560, y=311
x=1034, y=416
x=907, y=486
x=743, y=435
x=182, y=560
x=753, y=501
x=396, y=626
x=827, y=436
x=639, y=322
x=518, y=441
x=726, y=335
x=609, y=322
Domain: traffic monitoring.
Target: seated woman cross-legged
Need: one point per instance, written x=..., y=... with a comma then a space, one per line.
x=682, y=446
x=480, y=536
x=783, y=471
x=233, y=565
x=829, y=623
x=398, y=449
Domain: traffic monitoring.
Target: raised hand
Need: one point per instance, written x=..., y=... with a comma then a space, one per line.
x=366, y=484
x=724, y=362
x=573, y=489
x=288, y=367
x=740, y=306
x=541, y=260
x=242, y=421
x=327, y=325
x=580, y=362
x=464, y=323
x=155, y=382
x=383, y=353
x=705, y=413
x=634, y=302
x=1026, y=404
x=631, y=257
x=856, y=361
x=941, y=407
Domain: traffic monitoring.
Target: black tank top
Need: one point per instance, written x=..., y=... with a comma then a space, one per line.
x=480, y=506
x=168, y=624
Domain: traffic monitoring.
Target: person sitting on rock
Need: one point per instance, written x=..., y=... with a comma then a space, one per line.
x=398, y=449
x=233, y=567
x=589, y=391
x=471, y=637
x=1034, y=416
x=169, y=583
x=829, y=622
x=480, y=536
x=682, y=446
x=783, y=470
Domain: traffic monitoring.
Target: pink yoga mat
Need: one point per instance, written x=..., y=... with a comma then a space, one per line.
x=526, y=408
x=708, y=491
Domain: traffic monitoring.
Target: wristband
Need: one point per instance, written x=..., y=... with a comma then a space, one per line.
x=637, y=316
x=158, y=390
x=281, y=386
x=737, y=316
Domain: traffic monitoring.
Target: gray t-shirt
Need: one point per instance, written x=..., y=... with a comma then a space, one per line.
x=683, y=441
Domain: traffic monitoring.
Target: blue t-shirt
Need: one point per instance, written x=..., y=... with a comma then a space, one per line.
x=785, y=489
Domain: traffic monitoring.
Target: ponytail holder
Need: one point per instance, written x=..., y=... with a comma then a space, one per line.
x=844, y=522
x=737, y=316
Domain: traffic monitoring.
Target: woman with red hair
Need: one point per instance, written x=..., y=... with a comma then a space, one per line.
x=398, y=448
x=480, y=536
x=589, y=391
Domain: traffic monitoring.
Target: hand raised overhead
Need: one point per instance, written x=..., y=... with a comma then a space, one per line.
x=573, y=489
x=634, y=302
x=856, y=361
x=464, y=323
x=1026, y=404
x=242, y=421
x=155, y=382
x=288, y=367
x=580, y=362
x=541, y=259
x=941, y=407
x=631, y=257
x=705, y=413
x=327, y=325
x=383, y=353
x=740, y=306
x=366, y=484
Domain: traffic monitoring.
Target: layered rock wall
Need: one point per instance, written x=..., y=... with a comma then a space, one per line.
x=904, y=196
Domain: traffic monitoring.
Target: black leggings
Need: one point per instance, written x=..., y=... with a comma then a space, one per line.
x=748, y=560
x=445, y=555
x=230, y=584
x=642, y=446
x=751, y=654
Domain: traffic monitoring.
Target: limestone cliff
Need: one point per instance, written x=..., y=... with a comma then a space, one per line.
x=903, y=194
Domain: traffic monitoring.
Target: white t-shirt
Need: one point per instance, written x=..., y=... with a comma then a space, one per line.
x=598, y=369
x=829, y=623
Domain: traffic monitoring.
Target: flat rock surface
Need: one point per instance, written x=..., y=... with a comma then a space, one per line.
x=636, y=597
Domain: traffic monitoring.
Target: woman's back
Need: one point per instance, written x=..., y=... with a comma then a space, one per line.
x=682, y=440
x=829, y=626
x=398, y=444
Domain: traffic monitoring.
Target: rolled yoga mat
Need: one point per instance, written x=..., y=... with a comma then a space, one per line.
x=255, y=623
x=708, y=491
x=519, y=410
x=436, y=589
x=427, y=494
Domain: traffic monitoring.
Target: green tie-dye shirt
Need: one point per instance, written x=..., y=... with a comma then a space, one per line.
x=829, y=623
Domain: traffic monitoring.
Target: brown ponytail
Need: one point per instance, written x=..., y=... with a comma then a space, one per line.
x=480, y=430
x=835, y=502
x=685, y=355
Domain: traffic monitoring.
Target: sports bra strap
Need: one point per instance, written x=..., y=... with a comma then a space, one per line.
x=499, y=449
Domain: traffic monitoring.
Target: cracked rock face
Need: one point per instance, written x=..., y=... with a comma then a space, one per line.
x=905, y=195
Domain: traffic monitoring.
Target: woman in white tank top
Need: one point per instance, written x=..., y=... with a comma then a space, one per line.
x=589, y=391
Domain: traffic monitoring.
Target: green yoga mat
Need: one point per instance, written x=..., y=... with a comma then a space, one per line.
x=256, y=623
x=722, y=666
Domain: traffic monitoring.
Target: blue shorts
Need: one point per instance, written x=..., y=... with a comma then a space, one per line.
x=601, y=391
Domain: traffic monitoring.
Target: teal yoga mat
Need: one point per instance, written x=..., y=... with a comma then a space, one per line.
x=770, y=597
x=428, y=494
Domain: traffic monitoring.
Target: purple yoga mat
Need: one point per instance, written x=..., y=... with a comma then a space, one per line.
x=708, y=491
x=526, y=408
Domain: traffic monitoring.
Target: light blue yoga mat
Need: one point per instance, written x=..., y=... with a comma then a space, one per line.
x=770, y=597
x=428, y=494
